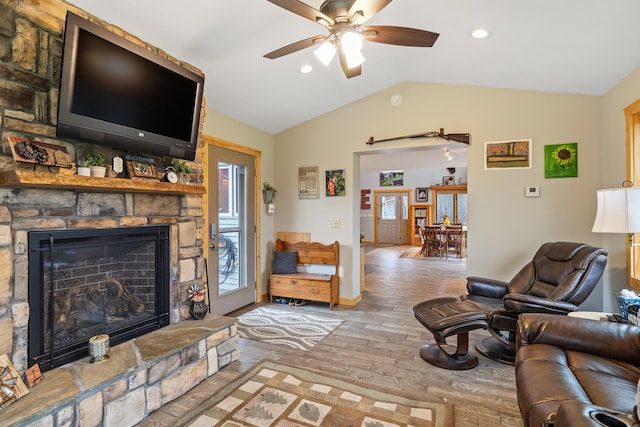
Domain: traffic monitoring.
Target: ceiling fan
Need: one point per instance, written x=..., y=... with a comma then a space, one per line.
x=343, y=19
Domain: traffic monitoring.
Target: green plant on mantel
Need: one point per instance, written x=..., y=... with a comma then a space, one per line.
x=93, y=159
x=180, y=166
x=84, y=163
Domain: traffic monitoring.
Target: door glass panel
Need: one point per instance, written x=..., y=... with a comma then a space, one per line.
x=228, y=252
x=405, y=206
x=231, y=207
x=388, y=207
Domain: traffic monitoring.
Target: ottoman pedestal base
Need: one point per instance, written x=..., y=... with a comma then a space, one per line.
x=445, y=317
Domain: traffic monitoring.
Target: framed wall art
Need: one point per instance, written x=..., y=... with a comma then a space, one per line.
x=335, y=183
x=391, y=178
x=512, y=154
x=308, y=182
x=422, y=194
x=561, y=160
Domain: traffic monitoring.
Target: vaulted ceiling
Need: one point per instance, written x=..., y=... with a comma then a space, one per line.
x=570, y=46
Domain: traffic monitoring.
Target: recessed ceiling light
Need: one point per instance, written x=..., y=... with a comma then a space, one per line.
x=306, y=69
x=480, y=33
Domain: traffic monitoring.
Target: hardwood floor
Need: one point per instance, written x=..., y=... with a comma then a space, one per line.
x=378, y=343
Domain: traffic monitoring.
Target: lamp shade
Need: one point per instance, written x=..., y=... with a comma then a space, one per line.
x=618, y=211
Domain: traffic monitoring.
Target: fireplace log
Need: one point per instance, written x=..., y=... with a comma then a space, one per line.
x=83, y=306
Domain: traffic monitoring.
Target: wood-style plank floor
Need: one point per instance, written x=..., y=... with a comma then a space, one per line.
x=378, y=343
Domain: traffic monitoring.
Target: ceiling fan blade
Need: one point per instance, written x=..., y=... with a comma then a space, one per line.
x=400, y=36
x=348, y=72
x=304, y=10
x=368, y=8
x=294, y=47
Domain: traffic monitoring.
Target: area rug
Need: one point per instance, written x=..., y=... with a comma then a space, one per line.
x=289, y=327
x=413, y=252
x=277, y=395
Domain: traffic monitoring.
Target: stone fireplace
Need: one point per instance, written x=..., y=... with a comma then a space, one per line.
x=36, y=198
x=88, y=282
x=142, y=373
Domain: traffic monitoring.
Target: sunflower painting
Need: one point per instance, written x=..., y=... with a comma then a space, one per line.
x=561, y=160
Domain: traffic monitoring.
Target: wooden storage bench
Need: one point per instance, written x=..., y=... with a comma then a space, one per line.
x=308, y=286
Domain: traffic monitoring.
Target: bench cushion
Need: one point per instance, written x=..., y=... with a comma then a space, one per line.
x=285, y=262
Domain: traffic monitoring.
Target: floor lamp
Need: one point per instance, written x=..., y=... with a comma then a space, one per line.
x=618, y=211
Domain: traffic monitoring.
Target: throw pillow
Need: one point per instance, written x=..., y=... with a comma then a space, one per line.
x=285, y=262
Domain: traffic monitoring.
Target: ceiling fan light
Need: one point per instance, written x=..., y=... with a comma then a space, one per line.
x=354, y=58
x=351, y=45
x=325, y=53
x=350, y=41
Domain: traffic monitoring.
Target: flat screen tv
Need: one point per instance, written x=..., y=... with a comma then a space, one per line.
x=116, y=93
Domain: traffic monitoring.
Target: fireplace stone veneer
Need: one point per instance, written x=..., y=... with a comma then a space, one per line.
x=140, y=376
x=26, y=209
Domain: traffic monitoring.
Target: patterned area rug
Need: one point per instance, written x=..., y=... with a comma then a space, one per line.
x=284, y=396
x=285, y=327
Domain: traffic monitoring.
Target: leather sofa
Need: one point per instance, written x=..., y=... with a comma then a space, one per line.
x=576, y=372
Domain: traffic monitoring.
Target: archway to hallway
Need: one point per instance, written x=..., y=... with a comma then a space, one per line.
x=422, y=167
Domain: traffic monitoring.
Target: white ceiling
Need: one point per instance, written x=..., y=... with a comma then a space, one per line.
x=571, y=46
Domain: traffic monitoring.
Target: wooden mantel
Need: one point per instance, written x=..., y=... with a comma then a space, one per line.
x=51, y=180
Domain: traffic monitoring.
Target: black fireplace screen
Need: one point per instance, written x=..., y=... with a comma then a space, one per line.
x=94, y=281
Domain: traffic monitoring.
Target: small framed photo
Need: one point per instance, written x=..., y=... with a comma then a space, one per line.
x=449, y=180
x=335, y=183
x=141, y=170
x=422, y=194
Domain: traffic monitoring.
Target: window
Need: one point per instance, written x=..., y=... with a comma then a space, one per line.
x=632, y=115
x=450, y=201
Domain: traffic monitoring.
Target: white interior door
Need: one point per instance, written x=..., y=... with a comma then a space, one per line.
x=232, y=230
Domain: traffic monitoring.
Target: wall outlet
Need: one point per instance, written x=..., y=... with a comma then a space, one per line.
x=335, y=223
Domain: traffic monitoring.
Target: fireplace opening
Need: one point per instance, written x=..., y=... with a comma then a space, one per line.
x=88, y=282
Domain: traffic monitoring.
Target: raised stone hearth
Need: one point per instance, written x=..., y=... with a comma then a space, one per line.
x=140, y=376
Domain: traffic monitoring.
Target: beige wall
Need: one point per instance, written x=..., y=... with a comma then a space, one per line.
x=505, y=228
x=227, y=129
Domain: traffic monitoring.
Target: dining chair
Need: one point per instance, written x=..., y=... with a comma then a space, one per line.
x=434, y=241
x=453, y=244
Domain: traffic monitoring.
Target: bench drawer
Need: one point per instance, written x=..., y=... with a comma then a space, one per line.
x=300, y=285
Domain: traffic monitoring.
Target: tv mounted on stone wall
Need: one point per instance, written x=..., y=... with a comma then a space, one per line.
x=116, y=93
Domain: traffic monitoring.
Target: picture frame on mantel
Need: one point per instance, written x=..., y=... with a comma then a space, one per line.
x=141, y=170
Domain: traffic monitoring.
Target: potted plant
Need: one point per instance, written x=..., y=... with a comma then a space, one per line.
x=97, y=163
x=183, y=169
x=268, y=193
x=83, y=167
